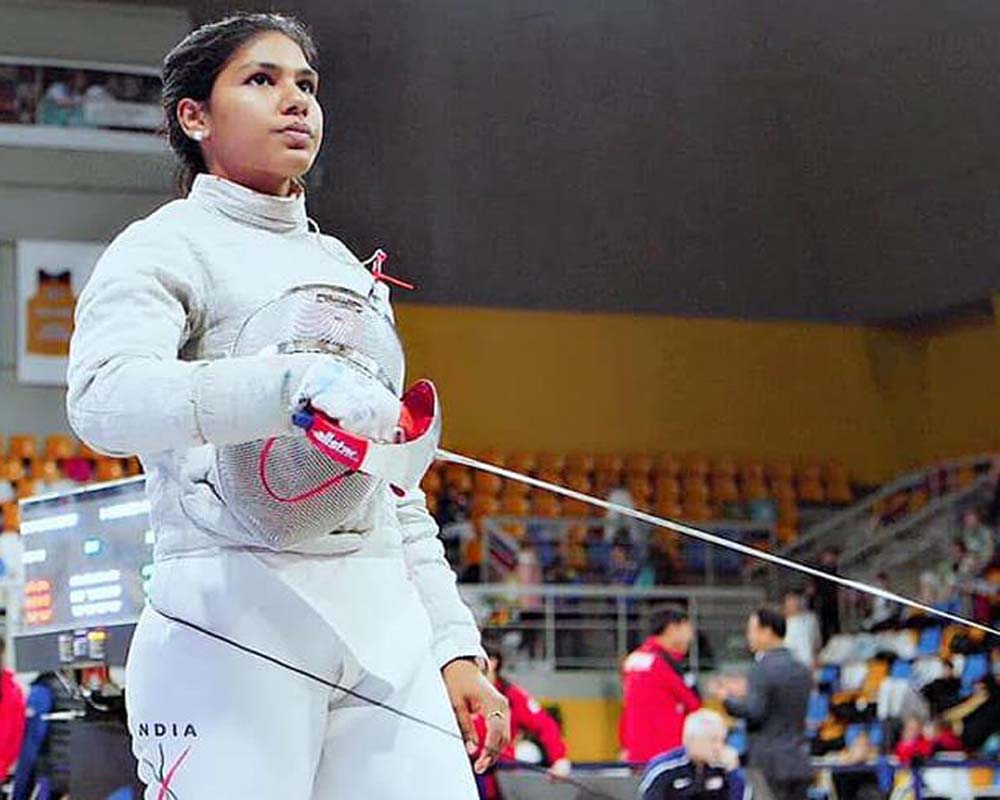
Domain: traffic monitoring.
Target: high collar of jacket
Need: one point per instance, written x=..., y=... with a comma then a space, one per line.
x=242, y=204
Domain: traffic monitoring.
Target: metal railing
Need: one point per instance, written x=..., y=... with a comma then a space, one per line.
x=592, y=627
x=851, y=528
x=694, y=560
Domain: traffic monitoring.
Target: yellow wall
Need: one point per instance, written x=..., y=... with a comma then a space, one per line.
x=627, y=383
x=878, y=401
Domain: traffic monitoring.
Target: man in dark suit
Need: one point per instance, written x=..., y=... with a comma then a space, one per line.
x=773, y=701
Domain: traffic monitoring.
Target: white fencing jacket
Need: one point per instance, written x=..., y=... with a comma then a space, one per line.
x=149, y=373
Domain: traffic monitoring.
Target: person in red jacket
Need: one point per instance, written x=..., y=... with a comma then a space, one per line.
x=526, y=717
x=12, y=716
x=657, y=694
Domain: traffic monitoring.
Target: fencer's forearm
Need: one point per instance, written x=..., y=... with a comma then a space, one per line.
x=454, y=628
x=145, y=405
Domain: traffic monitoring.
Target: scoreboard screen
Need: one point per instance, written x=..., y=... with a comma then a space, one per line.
x=87, y=558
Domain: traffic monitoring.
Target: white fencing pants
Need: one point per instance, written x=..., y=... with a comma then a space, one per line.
x=211, y=722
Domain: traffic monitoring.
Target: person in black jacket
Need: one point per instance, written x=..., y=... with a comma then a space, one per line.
x=773, y=701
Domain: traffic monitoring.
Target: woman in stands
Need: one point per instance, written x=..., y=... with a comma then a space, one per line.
x=376, y=611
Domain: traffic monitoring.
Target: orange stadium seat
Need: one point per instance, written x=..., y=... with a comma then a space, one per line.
x=43, y=469
x=667, y=464
x=108, y=469
x=23, y=446
x=962, y=478
x=84, y=450
x=783, y=491
x=11, y=517
x=59, y=446
x=640, y=488
x=810, y=485
x=668, y=507
x=26, y=487
x=580, y=462
x=492, y=456
x=779, y=471
x=724, y=466
x=786, y=532
x=578, y=481
x=837, y=485
x=696, y=511
x=431, y=483
x=133, y=466
x=577, y=508
x=552, y=463
x=666, y=486
x=514, y=489
x=486, y=483
x=638, y=464
x=432, y=504
x=546, y=505
x=605, y=481
x=917, y=500
x=484, y=505
x=695, y=466
x=514, y=505
x=12, y=469
x=723, y=489
x=609, y=462
x=694, y=489
x=520, y=462
x=458, y=477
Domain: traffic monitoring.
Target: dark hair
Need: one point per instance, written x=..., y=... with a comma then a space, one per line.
x=769, y=618
x=665, y=617
x=794, y=591
x=494, y=651
x=190, y=70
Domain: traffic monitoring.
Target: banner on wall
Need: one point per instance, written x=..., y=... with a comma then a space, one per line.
x=49, y=278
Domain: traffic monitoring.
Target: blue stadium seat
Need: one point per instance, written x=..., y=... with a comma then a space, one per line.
x=737, y=739
x=817, y=711
x=976, y=667
x=876, y=735
x=852, y=733
x=930, y=642
x=902, y=669
x=829, y=674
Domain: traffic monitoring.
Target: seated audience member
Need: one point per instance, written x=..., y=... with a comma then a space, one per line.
x=802, y=635
x=978, y=539
x=702, y=768
x=912, y=742
x=945, y=691
x=885, y=613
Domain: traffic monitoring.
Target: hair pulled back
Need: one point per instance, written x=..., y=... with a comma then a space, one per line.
x=191, y=68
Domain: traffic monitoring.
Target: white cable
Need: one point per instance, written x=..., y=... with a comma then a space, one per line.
x=711, y=538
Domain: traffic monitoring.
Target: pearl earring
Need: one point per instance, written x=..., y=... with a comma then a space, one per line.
x=198, y=136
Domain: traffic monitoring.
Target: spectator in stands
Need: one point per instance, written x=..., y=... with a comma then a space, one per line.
x=978, y=539
x=657, y=691
x=944, y=691
x=527, y=717
x=622, y=570
x=802, y=637
x=825, y=595
x=12, y=717
x=930, y=593
x=885, y=613
x=912, y=742
x=773, y=700
x=704, y=768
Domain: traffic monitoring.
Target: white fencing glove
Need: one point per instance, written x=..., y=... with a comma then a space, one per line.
x=357, y=403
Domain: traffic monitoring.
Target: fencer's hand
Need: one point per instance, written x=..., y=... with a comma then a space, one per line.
x=471, y=693
x=560, y=769
x=357, y=403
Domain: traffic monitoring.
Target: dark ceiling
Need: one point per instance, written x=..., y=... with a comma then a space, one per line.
x=768, y=158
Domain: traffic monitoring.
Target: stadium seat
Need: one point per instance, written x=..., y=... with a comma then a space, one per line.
x=23, y=446
x=817, y=710
x=432, y=504
x=694, y=489
x=902, y=669
x=723, y=489
x=695, y=466
x=11, y=517
x=638, y=466
x=545, y=504
x=521, y=462
x=484, y=505
x=779, y=472
x=108, y=469
x=44, y=470
x=551, y=463
x=667, y=465
x=456, y=476
x=809, y=485
x=59, y=446
x=668, y=507
x=26, y=487
x=930, y=642
x=514, y=489
x=977, y=665
x=578, y=481
x=486, y=483
x=580, y=463
x=431, y=483
x=608, y=462
x=12, y=469
x=84, y=450
x=514, y=505
x=666, y=487
x=492, y=456
x=783, y=492
x=577, y=508
x=640, y=488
